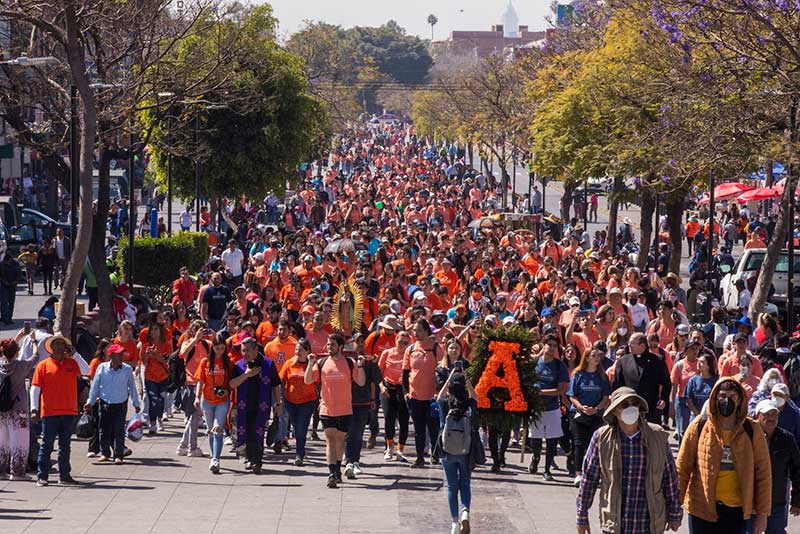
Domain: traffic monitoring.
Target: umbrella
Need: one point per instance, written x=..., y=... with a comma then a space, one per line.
x=726, y=191
x=482, y=222
x=339, y=246
x=762, y=193
x=779, y=187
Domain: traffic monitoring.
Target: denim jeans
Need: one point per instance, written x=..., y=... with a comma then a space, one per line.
x=283, y=421
x=112, y=429
x=8, y=295
x=300, y=417
x=456, y=471
x=355, y=434
x=61, y=427
x=682, y=414
x=192, y=423
x=215, y=414
x=156, y=391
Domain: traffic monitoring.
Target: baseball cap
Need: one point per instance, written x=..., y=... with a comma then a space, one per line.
x=547, y=312
x=766, y=406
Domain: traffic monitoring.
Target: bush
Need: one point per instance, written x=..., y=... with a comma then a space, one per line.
x=158, y=260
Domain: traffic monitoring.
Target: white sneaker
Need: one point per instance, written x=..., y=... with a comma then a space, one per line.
x=228, y=440
x=165, y=416
x=577, y=481
x=388, y=455
x=400, y=457
x=196, y=453
x=464, y=521
x=349, y=472
x=357, y=469
x=91, y=454
x=182, y=451
x=160, y=426
x=214, y=466
x=455, y=528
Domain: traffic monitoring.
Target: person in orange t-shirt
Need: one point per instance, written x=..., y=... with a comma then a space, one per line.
x=212, y=395
x=448, y=277
x=154, y=353
x=300, y=397
x=279, y=350
x=54, y=398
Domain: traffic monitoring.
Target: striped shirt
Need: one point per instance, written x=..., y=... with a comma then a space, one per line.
x=635, y=518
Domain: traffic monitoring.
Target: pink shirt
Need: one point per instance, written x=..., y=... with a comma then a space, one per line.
x=336, y=395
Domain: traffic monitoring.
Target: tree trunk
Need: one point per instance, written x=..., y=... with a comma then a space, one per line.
x=88, y=131
x=648, y=207
x=470, y=153
x=97, y=253
x=776, y=244
x=674, y=205
x=566, y=200
x=613, y=213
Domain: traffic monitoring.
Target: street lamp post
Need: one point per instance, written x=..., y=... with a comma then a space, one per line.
x=169, y=177
x=131, y=213
x=585, y=204
x=710, y=243
x=197, y=172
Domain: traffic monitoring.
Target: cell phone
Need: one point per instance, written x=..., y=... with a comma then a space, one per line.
x=459, y=366
x=26, y=327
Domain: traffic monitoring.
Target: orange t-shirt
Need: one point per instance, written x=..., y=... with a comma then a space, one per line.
x=265, y=332
x=391, y=366
x=200, y=353
x=279, y=351
x=318, y=340
x=93, y=365
x=681, y=374
x=336, y=394
x=378, y=342
x=450, y=281
x=59, y=385
x=293, y=377
x=211, y=378
x=422, y=364
x=154, y=370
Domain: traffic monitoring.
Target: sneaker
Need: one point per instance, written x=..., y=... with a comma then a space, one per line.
x=118, y=461
x=357, y=469
x=165, y=416
x=349, y=472
x=331, y=481
x=160, y=426
x=418, y=463
x=388, y=455
x=214, y=466
x=18, y=478
x=67, y=481
x=182, y=451
x=495, y=468
x=339, y=476
x=103, y=458
x=298, y=462
x=547, y=476
x=314, y=435
x=256, y=469
x=455, y=528
x=277, y=448
x=91, y=454
x=228, y=440
x=371, y=441
x=464, y=521
x=152, y=432
x=196, y=453
x=577, y=481
x=400, y=457
x=41, y=482
x=127, y=452
x=533, y=468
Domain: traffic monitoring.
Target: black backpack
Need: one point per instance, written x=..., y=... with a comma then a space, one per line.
x=177, y=367
x=6, y=397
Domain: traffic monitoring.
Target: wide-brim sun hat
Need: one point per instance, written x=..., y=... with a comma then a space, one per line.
x=619, y=396
x=48, y=343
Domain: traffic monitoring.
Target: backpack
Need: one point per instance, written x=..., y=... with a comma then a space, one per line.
x=6, y=397
x=177, y=367
x=792, y=371
x=457, y=433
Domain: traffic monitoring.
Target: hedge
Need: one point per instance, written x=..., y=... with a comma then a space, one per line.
x=158, y=260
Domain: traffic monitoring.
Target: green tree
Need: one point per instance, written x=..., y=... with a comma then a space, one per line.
x=432, y=21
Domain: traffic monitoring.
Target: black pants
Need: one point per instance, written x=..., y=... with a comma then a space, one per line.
x=94, y=441
x=112, y=428
x=374, y=424
x=421, y=415
x=355, y=434
x=729, y=520
x=47, y=279
x=498, y=438
x=395, y=411
x=582, y=429
x=92, y=292
x=254, y=444
x=550, y=452
x=567, y=442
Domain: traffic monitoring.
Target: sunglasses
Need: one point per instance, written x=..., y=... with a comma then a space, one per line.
x=628, y=404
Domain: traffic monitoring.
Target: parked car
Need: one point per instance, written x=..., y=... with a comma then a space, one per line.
x=747, y=267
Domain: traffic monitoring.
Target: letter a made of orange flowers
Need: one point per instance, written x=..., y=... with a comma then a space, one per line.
x=501, y=355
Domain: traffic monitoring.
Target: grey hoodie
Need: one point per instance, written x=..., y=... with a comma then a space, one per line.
x=18, y=371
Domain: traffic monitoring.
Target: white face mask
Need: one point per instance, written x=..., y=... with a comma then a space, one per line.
x=622, y=331
x=780, y=401
x=772, y=383
x=629, y=415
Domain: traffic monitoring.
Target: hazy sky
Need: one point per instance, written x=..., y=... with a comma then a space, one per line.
x=410, y=14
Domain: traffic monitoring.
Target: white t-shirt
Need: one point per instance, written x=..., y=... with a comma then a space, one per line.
x=233, y=261
x=186, y=219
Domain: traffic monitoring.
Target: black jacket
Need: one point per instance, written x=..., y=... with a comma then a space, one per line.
x=785, y=457
x=645, y=374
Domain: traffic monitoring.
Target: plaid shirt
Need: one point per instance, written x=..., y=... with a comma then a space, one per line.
x=635, y=518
